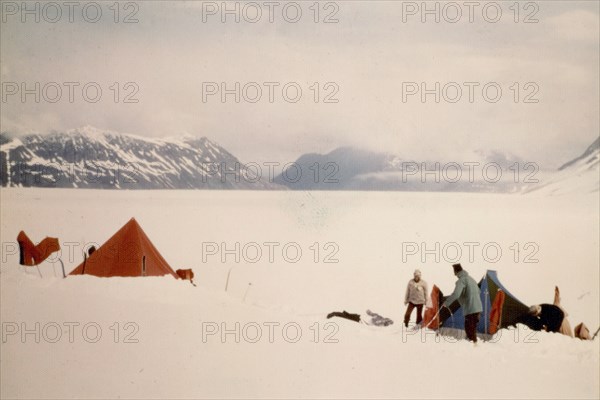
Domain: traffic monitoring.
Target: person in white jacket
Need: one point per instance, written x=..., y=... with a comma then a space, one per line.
x=416, y=297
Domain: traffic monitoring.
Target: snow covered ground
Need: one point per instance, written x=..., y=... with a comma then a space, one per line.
x=162, y=338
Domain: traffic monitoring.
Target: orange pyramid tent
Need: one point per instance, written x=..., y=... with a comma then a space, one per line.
x=128, y=252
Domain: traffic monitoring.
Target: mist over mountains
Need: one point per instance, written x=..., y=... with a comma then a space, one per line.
x=97, y=159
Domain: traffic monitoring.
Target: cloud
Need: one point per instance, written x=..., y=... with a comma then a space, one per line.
x=576, y=25
x=368, y=55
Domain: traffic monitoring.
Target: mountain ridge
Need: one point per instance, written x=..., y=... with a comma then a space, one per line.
x=93, y=158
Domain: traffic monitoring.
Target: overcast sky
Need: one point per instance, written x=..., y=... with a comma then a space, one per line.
x=368, y=55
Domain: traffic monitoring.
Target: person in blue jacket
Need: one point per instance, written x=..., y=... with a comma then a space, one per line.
x=467, y=293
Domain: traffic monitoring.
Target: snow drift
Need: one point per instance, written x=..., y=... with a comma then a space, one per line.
x=267, y=336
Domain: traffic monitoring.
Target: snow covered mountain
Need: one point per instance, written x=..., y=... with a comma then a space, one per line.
x=92, y=158
x=333, y=171
x=580, y=175
x=348, y=168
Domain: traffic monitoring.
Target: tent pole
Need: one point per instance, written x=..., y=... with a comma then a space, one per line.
x=501, y=313
x=84, y=261
x=63, y=267
x=227, y=281
x=486, y=317
x=246, y=294
x=433, y=319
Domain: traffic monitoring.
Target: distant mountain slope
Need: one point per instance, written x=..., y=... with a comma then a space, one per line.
x=91, y=158
x=580, y=175
x=348, y=168
x=332, y=171
x=590, y=155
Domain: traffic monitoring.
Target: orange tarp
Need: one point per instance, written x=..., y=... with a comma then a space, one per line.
x=496, y=312
x=33, y=255
x=185, y=274
x=431, y=319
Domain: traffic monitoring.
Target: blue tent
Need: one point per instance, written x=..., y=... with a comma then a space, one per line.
x=512, y=309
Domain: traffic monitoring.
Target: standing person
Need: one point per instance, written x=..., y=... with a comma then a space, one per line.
x=467, y=293
x=416, y=297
